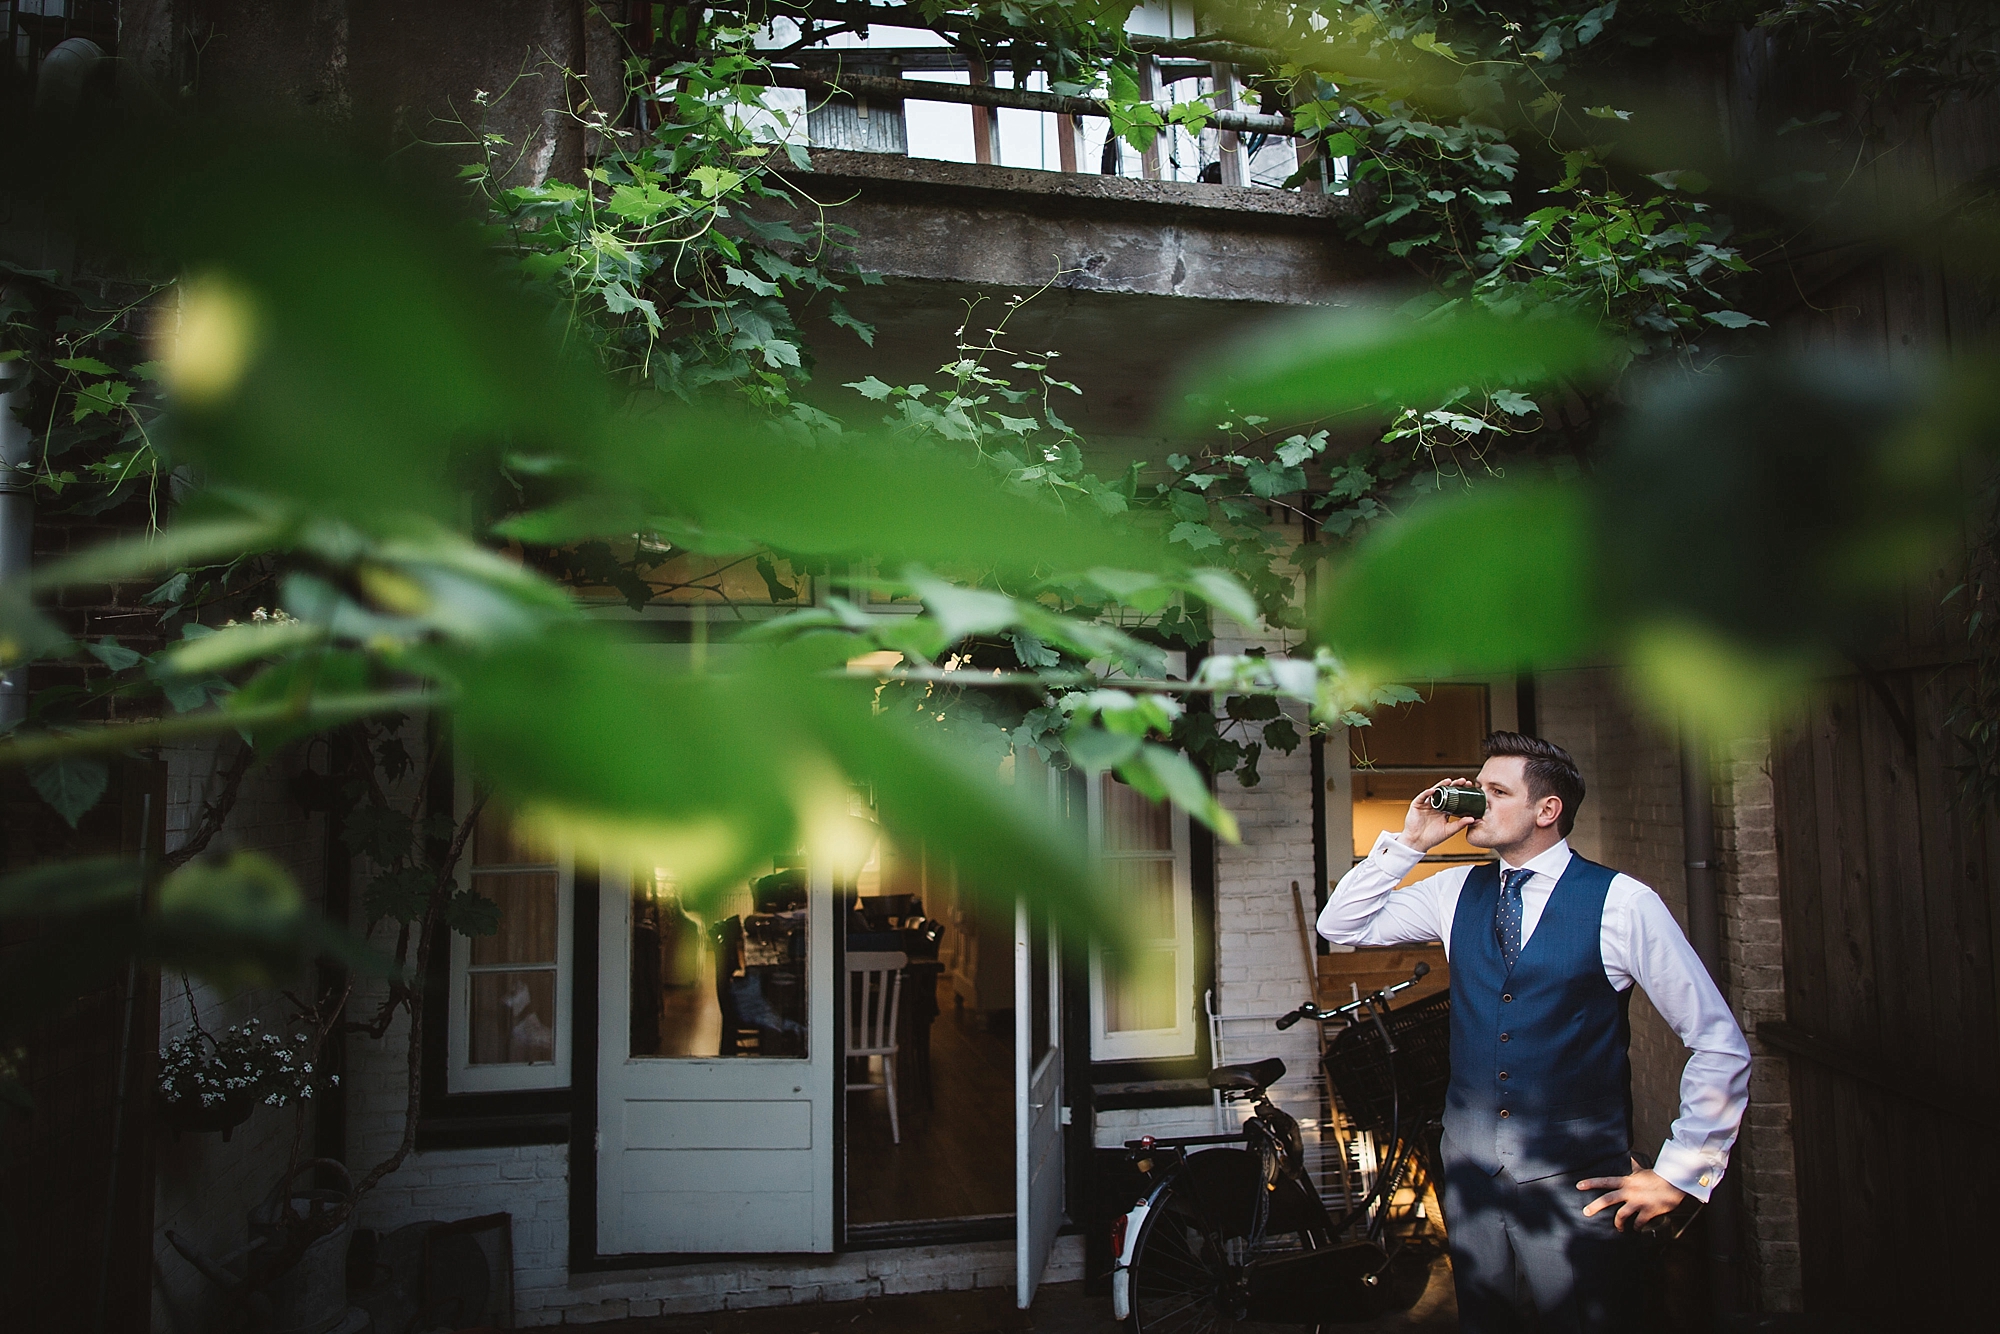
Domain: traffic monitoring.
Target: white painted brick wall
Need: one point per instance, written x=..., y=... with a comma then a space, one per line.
x=532, y=1184
x=736, y=1284
x=202, y=1186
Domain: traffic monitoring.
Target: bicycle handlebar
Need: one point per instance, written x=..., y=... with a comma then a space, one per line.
x=1312, y=1011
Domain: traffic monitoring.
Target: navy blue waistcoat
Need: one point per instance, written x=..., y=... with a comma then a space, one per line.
x=1541, y=1081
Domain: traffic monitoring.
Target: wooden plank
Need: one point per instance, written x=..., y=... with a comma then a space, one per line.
x=1820, y=1196
x=1852, y=1004
x=1887, y=892
x=1922, y=1086
x=1340, y=974
x=1956, y=918
x=1809, y=897
x=1961, y=975
x=1898, y=923
x=1868, y=1135
x=1801, y=900
x=1795, y=815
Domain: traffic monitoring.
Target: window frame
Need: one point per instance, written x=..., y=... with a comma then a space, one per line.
x=1149, y=1044
x=461, y=1076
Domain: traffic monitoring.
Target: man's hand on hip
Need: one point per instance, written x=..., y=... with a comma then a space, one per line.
x=1640, y=1197
x=1425, y=826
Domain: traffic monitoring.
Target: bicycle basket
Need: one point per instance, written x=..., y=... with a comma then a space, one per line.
x=1358, y=1068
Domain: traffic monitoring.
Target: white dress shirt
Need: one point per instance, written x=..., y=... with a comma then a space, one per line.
x=1640, y=943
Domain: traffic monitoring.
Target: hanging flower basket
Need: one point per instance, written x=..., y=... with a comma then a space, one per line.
x=189, y=1116
x=212, y=1083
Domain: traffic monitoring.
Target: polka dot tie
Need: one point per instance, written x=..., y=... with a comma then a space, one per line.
x=1507, y=917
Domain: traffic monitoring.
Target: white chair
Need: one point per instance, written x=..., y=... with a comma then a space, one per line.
x=872, y=1005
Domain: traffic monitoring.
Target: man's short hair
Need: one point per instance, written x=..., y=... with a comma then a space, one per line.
x=1551, y=772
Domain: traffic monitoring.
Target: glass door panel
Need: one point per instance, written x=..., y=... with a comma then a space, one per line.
x=724, y=980
x=716, y=1087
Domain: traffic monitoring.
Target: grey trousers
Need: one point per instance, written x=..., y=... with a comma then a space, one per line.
x=1524, y=1257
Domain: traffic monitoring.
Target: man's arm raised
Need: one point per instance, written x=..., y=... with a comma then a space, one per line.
x=1364, y=910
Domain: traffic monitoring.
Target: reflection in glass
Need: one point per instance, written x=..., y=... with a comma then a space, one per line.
x=511, y=977
x=528, y=903
x=1139, y=990
x=494, y=842
x=1144, y=893
x=1132, y=823
x=726, y=980
x=511, y=1017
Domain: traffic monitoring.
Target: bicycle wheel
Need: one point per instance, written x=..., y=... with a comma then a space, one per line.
x=1187, y=1268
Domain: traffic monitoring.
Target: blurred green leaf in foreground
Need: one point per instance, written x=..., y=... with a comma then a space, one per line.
x=1745, y=530
x=365, y=417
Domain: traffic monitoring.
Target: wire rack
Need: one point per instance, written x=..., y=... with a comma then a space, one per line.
x=1341, y=1161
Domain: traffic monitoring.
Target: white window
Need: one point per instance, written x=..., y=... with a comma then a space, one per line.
x=510, y=991
x=1142, y=995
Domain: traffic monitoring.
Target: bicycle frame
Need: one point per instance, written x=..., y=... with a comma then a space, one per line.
x=1283, y=1289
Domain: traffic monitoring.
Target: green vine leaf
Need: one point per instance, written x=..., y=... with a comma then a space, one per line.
x=72, y=784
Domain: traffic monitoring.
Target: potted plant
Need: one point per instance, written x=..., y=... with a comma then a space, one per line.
x=210, y=1083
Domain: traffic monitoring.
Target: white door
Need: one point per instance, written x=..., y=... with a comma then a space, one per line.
x=716, y=1068
x=1038, y=1100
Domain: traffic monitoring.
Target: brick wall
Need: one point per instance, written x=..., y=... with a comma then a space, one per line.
x=1631, y=822
x=1260, y=964
x=532, y=1184
x=1753, y=953
x=738, y=1284
x=203, y=1187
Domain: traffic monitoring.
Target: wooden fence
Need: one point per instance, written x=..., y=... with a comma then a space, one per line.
x=1888, y=887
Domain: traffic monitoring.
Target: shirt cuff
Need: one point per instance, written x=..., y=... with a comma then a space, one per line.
x=1692, y=1171
x=1394, y=855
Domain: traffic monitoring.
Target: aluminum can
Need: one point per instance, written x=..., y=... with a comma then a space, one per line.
x=1458, y=801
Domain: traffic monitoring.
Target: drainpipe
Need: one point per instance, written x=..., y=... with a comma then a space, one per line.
x=1704, y=909
x=17, y=520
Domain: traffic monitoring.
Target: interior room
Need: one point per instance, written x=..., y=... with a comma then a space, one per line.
x=930, y=977
x=1409, y=748
x=724, y=979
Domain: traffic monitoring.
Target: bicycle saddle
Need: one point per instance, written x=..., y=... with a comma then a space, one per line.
x=1243, y=1078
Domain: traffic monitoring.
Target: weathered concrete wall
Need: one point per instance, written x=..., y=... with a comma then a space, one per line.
x=1016, y=227
x=394, y=71
x=1135, y=283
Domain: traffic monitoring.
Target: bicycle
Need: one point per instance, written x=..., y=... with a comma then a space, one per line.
x=1233, y=1239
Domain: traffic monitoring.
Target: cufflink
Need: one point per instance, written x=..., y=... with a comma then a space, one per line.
x=1704, y=1180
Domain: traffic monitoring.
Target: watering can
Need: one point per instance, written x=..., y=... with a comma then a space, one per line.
x=311, y=1296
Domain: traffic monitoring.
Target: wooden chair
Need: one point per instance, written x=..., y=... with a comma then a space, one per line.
x=874, y=996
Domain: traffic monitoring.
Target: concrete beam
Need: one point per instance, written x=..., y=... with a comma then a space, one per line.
x=960, y=222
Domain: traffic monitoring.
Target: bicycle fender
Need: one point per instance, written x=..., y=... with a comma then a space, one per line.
x=1121, y=1271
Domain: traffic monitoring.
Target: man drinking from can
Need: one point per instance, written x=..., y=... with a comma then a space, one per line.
x=1542, y=1194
